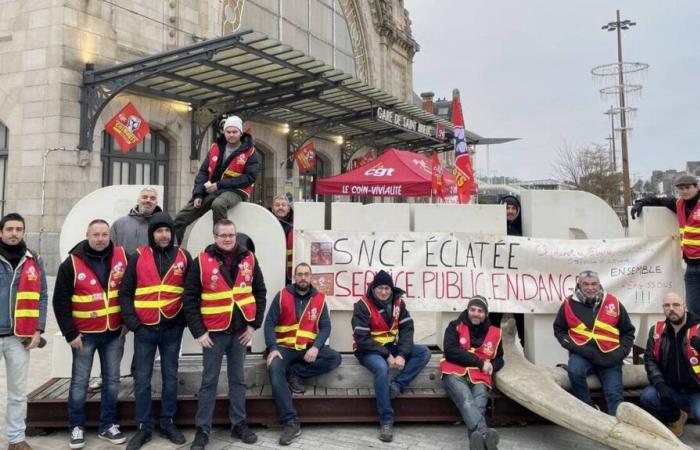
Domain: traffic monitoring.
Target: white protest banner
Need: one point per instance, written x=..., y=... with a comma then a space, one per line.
x=441, y=271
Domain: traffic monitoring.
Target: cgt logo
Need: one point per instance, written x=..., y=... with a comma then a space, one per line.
x=379, y=172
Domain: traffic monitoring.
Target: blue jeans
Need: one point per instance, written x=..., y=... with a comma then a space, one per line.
x=292, y=363
x=470, y=399
x=692, y=288
x=229, y=345
x=17, y=368
x=610, y=379
x=375, y=363
x=167, y=341
x=109, y=347
x=669, y=413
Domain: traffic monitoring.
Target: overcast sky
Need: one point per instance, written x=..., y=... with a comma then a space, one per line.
x=523, y=70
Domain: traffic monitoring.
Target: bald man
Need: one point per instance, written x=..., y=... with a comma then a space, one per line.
x=672, y=363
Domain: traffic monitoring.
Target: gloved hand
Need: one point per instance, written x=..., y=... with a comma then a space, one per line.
x=636, y=210
x=695, y=343
x=665, y=394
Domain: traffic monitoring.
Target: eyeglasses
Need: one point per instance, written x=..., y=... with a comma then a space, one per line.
x=302, y=274
x=226, y=236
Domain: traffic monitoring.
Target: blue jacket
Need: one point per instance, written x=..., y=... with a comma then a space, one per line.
x=9, y=279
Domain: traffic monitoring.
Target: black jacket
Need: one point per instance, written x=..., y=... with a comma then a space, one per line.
x=287, y=222
x=164, y=259
x=672, y=368
x=361, y=326
x=670, y=203
x=590, y=351
x=193, y=291
x=457, y=355
x=250, y=171
x=99, y=262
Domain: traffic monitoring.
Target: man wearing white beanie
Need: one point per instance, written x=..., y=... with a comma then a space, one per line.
x=225, y=177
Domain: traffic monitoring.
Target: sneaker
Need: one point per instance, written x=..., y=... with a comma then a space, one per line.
x=677, y=426
x=201, y=439
x=139, y=439
x=77, y=437
x=386, y=432
x=295, y=384
x=171, y=433
x=112, y=434
x=491, y=439
x=95, y=385
x=242, y=432
x=476, y=441
x=290, y=432
x=19, y=446
x=394, y=390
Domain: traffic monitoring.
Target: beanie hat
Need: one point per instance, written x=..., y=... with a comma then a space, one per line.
x=480, y=301
x=233, y=121
x=382, y=279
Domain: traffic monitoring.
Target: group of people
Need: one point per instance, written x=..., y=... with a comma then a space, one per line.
x=135, y=276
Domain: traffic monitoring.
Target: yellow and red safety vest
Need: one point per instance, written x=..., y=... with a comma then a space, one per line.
x=689, y=229
x=485, y=352
x=605, y=332
x=95, y=310
x=27, y=298
x=218, y=298
x=380, y=331
x=155, y=296
x=302, y=333
x=692, y=356
x=234, y=169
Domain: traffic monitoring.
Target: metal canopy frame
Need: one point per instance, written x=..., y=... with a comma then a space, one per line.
x=253, y=76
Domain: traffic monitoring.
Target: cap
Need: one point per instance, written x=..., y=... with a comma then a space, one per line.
x=685, y=180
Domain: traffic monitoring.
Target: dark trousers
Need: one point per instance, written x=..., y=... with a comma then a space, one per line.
x=610, y=379
x=650, y=400
x=496, y=318
x=219, y=202
x=167, y=341
x=292, y=363
x=692, y=288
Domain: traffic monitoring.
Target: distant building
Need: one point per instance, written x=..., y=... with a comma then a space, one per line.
x=545, y=184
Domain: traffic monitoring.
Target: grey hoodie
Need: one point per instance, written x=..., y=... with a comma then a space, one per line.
x=131, y=231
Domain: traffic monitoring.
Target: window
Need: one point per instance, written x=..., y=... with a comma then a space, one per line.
x=145, y=164
x=4, y=146
x=307, y=181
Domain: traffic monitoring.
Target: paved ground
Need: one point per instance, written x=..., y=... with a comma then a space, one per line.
x=317, y=437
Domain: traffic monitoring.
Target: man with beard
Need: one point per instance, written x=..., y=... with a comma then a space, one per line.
x=596, y=330
x=296, y=329
x=23, y=305
x=225, y=178
x=131, y=231
x=472, y=355
x=383, y=334
x=285, y=214
x=672, y=362
x=151, y=300
x=687, y=210
x=86, y=305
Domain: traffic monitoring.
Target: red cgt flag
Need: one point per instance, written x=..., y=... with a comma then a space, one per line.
x=127, y=127
x=464, y=173
x=306, y=157
x=437, y=181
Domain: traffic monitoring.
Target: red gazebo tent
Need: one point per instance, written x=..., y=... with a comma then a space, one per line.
x=394, y=173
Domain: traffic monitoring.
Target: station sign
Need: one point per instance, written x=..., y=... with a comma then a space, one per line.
x=404, y=122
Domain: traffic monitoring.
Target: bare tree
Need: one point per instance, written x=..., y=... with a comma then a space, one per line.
x=588, y=169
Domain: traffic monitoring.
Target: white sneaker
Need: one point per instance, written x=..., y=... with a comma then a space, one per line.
x=77, y=438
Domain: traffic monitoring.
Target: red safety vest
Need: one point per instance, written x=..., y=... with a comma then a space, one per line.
x=95, y=310
x=485, y=352
x=689, y=229
x=154, y=296
x=27, y=298
x=605, y=332
x=379, y=330
x=298, y=335
x=290, y=249
x=692, y=356
x=218, y=298
x=234, y=169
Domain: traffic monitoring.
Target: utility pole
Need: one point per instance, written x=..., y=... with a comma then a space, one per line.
x=623, y=117
x=613, y=151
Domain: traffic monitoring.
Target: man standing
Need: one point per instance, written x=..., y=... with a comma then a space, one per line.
x=596, y=330
x=224, y=303
x=23, y=304
x=131, y=231
x=225, y=177
x=296, y=329
x=687, y=210
x=86, y=305
x=383, y=334
x=285, y=214
x=151, y=300
x=472, y=355
x=672, y=362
